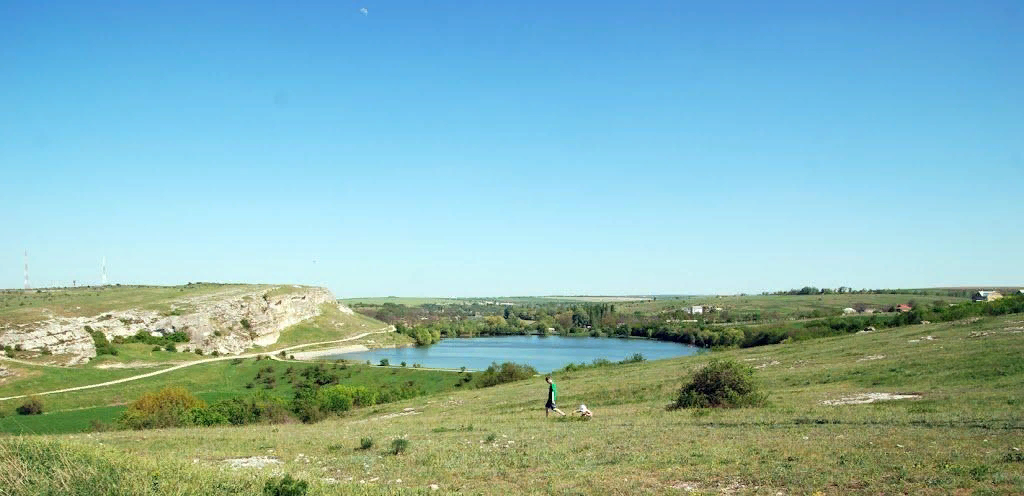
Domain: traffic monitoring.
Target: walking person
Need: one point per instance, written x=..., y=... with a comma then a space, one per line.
x=550, y=406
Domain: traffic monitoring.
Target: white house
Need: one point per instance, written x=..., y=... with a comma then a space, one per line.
x=696, y=309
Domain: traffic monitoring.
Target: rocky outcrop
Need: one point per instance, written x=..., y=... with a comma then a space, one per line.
x=227, y=323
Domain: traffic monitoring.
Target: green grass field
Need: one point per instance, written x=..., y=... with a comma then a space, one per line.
x=64, y=422
x=72, y=411
x=28, y=306
x=332, y=324
x=958, y=437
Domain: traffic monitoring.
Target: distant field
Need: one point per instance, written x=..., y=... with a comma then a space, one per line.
x=495, y=300
x=401, y=300
x=783, y=305
x=28, y=306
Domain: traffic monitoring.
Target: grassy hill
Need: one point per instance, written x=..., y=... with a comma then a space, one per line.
x=963, y=434
x=27, y=306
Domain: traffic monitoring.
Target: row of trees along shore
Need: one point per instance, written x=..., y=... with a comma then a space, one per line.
x=430, y=323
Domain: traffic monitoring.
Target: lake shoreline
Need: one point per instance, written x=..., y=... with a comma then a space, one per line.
x=341, y=350
x=545, y=353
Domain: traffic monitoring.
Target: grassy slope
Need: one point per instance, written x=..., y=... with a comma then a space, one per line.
x=332, y=324
x=956, y=437
x=28, y=306
x=71, y=412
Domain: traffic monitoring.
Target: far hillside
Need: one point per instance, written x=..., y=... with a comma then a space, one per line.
x=142, y=326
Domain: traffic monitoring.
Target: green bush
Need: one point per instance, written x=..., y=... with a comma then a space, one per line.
x=384, y=362
x=203, y=417
x=366, y=443
x=164, y=408
x=31, y=406
x=103, y=346
x=170, y=347
x=721, y=383
x=504, y=373
x=334, y=399
x=399, y=446
x=156, y=348
x=256, y=409
x=285, y=486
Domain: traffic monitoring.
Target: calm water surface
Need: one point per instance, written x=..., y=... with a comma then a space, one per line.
x=545, y=353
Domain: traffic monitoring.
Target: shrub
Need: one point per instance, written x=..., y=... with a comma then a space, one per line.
x=236, y=361
x=198, y=351
x=203, y=417
x=285, y=486
x=156, y=348
x=636, y=358
x=258, y=408
x=721, y=383
x=491, y=437
x=164, y=408
x=504, y=373
x=170, y=347
x=46, y=351
x=399, y=446
x=31, y=406
x=366, y=443
x=18, y=347
x=245, y=324
x=384, y=362
x=103, y=346
x=403, y=364
x=215, y=353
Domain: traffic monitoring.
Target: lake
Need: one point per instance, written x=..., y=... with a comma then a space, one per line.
x=545, y=353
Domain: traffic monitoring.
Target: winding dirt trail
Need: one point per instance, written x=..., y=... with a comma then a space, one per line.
x=197, y=362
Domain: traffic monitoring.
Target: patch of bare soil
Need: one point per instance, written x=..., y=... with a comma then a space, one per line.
x=251, y=462
x=860, y=399
x=871, y=357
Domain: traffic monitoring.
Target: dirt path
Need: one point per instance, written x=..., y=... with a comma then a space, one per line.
x=197, y=362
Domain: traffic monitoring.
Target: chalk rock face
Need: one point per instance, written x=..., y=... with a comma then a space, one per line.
x=229, y=323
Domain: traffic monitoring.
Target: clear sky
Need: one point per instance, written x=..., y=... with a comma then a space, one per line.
x=454, y=148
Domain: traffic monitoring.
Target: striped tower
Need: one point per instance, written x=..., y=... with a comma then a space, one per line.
x=26, y=271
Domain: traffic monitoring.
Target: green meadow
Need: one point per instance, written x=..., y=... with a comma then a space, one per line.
x=959, y=430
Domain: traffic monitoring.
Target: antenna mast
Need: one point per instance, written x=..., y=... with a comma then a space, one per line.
x=26, y=271
x=104, y=271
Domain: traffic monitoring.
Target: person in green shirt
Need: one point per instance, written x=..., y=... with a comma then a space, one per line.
x=550, y=406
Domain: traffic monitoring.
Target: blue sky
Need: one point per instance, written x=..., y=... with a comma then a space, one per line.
x=456, y=148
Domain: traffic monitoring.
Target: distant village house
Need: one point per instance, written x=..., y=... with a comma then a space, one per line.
x=903, y=307
x=986, y=296
x=696, y=309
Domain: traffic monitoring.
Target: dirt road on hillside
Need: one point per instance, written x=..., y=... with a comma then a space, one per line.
x=197, y=362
